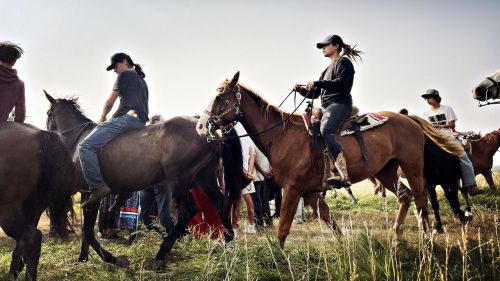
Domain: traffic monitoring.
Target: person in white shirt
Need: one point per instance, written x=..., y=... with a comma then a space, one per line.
x=248, y=150
x=443, y=118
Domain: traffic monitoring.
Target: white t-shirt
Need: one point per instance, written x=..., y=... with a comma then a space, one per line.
x=246, y=144
x=442, y=116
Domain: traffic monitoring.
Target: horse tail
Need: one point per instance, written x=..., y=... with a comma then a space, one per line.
x=232, y=161
x=57, y=182
x=444, y=141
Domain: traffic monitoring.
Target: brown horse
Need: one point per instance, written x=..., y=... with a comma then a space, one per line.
x=298, y=166
x=36, y=172
x=488, y=89
x=482, y=151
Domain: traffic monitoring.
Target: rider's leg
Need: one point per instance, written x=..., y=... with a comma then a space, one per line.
x=333, y=117
x=89, y=147
x=468, y=176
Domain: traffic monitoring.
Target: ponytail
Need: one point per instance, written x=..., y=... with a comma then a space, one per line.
x=139, y=71
x=351, y=52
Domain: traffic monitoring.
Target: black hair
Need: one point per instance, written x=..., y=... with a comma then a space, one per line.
x=349, y=51
x=9, y=52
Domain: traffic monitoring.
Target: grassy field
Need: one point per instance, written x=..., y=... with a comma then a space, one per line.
x=368, y=249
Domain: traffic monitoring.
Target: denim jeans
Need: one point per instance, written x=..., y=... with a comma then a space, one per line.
x=100, y=136
x=468, y=176
x=163, y=198
x=333, y=117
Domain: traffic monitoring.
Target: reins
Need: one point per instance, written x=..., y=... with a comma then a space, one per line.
x=223, y=138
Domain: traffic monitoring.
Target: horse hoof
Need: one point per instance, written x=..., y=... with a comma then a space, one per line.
x=157, y=265
x=438, y=230
x=122, y=261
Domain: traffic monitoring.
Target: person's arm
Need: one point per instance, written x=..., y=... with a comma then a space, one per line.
x=345, y=72
x=251, y=163
x=20, y=111
x=108, y=105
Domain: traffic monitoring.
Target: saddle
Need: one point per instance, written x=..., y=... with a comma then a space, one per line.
x=312, y=118
x=354, y=124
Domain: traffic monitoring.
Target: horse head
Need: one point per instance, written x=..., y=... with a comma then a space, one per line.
x=223, y=110
x=489, y=88
x=61, y=111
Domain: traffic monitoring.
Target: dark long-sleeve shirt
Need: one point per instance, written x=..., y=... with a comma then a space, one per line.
x=11, y=95
x=334, y=84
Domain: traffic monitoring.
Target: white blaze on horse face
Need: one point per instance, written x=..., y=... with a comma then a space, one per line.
x=202, y=125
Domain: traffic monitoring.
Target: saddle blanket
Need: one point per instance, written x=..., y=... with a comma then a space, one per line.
x=365, y=121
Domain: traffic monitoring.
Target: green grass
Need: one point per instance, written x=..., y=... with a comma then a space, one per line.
x=368, y=250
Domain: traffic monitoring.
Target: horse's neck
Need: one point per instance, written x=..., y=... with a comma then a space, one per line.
x=74, y=126
x=257, y=120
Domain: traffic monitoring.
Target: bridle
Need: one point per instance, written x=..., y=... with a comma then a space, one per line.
x=489, y=89
x=215, y=121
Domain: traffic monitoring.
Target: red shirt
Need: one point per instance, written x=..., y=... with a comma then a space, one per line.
x=11, y=95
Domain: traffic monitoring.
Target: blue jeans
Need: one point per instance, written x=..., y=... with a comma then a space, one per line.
x=163, y=199
x=333, y=118
x=100, y=136
x=468, y=176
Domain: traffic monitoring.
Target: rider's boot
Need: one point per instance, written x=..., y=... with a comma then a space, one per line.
x=339, y=177
x=97, y=194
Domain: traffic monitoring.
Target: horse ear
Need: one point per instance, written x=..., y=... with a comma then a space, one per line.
x=235, y=79
x=49, y=97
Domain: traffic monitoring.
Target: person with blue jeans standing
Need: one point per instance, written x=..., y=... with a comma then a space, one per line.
x=334, y=89
x=132, y=113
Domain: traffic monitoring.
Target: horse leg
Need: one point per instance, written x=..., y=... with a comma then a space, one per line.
x=388, y=177
x=414, y=174
x=88, y=238
x=32, y=246
x=318, y=203
x=431, y=190
x=468, y=210
x=451, y=193
x=15, y=230
x=289, y=205
x=489, y=179
x=186, y=209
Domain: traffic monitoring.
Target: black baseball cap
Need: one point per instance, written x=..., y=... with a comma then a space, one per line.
x=431, y=93
x=119, y=57
x=331, y=39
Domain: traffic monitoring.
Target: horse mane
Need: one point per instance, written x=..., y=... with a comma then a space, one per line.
x=268, y=108
x=74, y=106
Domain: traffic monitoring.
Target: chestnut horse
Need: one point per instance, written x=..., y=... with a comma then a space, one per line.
x=488, y=89
x=36, y=173
x=481, y=152
x=298, y=166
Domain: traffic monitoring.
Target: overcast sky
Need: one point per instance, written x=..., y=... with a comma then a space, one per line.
x=188, y=47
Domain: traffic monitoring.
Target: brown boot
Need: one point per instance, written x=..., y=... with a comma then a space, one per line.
x=96, y=196
x=473, y=190
x=340, y=178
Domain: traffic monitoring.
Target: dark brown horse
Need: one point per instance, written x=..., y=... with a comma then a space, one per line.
x=488, y=89
x=36, y=172
x=481, y=152
x=298, y=167
x=169, y=152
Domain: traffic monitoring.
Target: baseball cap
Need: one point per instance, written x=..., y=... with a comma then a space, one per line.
x=118, y=57
x=330, y=39
x=431, y=93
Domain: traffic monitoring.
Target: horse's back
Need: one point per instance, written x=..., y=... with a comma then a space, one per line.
x=144, y=153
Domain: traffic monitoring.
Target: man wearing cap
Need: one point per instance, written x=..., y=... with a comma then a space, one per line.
x=334, y=88
x=132, y=113
x=443, y=118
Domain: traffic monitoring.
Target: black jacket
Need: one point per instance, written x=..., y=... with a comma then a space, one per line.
x=337, y=87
